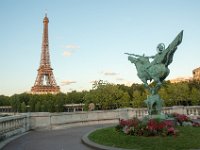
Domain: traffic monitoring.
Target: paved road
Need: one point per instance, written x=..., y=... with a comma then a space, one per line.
x=65, y=139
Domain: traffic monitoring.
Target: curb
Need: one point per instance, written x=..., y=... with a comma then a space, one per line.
x=96, y=146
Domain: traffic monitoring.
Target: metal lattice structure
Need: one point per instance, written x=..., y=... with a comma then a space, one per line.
x=45, y=81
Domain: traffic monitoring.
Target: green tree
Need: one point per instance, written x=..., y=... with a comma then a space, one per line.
x=127, y=89
x=107, y=96
x=23, y=107
x=15, y=103
x=44, y=106
x=4, y=100
x=24, y=97
x=32, y=102
x=195, y=96
x=179, y=92
x=138, y=98
x=51, y=102
x=38, y=106
x=59, y=102
x=75, y=97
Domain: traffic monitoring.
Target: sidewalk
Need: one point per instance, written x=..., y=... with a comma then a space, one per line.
x=65, y=139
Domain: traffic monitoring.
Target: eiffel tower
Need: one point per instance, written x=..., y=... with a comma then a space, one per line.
x=45, y=81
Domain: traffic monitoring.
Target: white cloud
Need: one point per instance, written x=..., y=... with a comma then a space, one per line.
x=72, y=46
x=124, y=81
x=67, y=53
x=119, y=79
x=70, y=89
x=110, y=73
x=67, y=82
x=70, y=49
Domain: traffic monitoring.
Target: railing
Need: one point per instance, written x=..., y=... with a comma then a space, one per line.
x=18, y=124
x=13, y=125
x=193, y=111
x=46, y=120
x=56, y=120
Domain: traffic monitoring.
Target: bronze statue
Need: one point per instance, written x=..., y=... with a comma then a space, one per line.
x=156, y=70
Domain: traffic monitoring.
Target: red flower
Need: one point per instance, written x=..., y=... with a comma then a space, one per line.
x=168, y=123
x=152, y=127
x=180, y=117
x=155, y=125
x=171, y=130
x=130, y=122
x=196, y=124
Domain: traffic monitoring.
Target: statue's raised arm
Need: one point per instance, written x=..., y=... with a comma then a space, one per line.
x=134, y=55
x=139, y=56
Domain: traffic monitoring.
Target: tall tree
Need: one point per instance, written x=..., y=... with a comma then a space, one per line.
x=108, y=96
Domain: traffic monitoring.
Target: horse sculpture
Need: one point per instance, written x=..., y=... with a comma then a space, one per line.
x=156, y=70
x=146, y=71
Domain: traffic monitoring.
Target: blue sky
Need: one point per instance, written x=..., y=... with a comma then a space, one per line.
x=87, y=39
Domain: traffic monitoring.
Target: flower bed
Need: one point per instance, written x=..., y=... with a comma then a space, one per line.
x=154, y=127
x=183, y=120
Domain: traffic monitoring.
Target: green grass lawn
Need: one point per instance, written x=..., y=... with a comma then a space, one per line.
x=188, y=138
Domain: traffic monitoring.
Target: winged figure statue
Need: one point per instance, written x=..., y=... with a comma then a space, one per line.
x=156, y=70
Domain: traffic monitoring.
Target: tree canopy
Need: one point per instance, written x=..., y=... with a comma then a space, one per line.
x=105, y=96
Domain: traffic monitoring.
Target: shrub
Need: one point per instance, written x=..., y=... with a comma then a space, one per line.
x=154, y=127
x=196, y=124
x=184, y=120
x=151, y=127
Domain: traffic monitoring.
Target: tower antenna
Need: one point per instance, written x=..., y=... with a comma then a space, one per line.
x=45, y=12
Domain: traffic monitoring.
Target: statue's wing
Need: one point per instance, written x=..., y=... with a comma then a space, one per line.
x=170, y=50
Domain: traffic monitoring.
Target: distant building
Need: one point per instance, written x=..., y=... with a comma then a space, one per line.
x=181, y=79
x=196, y=74
x=73, y=107
x=6, y=109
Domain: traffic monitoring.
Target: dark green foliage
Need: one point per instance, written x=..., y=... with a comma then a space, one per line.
x=37, y=107
x=75, y=97
x=105, y=96
x=60, y=101
x=23, y=107
x=15, y=103
x=41, y=103
x=4, y=100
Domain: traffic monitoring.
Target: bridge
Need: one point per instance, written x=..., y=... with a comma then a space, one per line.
x=59, y=131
